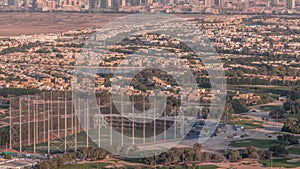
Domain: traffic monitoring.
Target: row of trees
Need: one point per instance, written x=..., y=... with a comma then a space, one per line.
x=278, y=150
x=187, y=155
x=250, y=152
x=90, y=153
x=179, y=155
x=238, y=79
x=17, y=91
x=20, y=48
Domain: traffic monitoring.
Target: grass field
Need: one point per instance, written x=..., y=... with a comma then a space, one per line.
x=279, y=90
x=207, y=167
x=270, y=107
x=57, y=144
x=252, y=142
x=280, y=163
x=84, y=166
x=198, y=167
x=294, y=150
x=251, y=124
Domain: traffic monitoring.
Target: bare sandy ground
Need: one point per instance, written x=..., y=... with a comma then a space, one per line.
x=14, y=24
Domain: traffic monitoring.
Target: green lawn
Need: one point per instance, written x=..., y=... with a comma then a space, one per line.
x=282, y=132
x=165, y=167
x=266, y=89
x=207, y=167
x=252, y=142
x=251, y=124
x=84, y=166
x=42, y=147
x=280, y=163
x=198, y=167
x=294, y=150
x=270, y=107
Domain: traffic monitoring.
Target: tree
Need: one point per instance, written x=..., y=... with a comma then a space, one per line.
x=7, y=157
x=239, y=106
x=82, y=153
x=206, y=157
x=43, y=165
x=185, y=166
x=287, y=139
x=197, y=151
x=278, y=150
x=293, y=102
x=264, y=154
x=277, y=113
x=59, y=55
x=287, y=105
x=252, y=152
x=292, y=126
x=234, y=155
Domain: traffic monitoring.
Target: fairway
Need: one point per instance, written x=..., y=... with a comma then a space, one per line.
x=207, y=167
x=252, y=142
x=84, y=166
x=280, y=163
x=56, y=146
x=294, y=149
x=251, y=124
x=270, y=107
x=279, y=90
x=197, y=167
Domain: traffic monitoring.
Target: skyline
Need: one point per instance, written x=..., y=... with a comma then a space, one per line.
x=165, y=6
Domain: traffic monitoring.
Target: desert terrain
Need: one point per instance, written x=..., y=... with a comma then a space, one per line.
x=14, y=24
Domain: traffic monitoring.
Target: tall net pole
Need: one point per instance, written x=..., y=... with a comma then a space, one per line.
x=20, y=123
x=10, y=124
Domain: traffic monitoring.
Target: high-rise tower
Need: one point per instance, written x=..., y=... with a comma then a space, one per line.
x=290, y=4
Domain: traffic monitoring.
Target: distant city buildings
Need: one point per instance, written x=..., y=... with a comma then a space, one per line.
x=290, y=4
x=165, y=6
